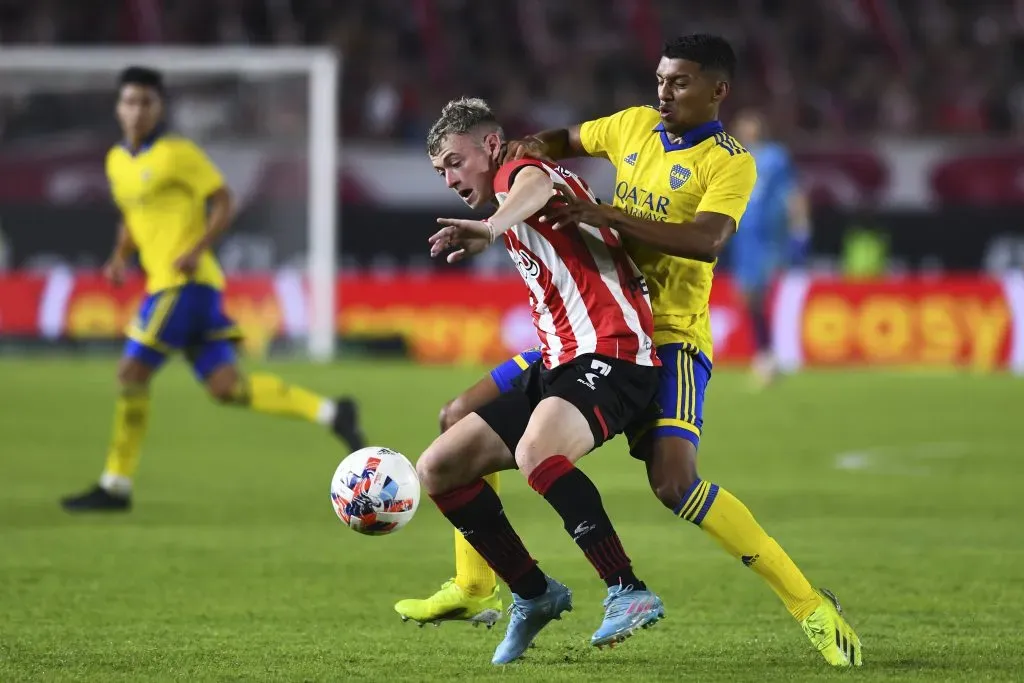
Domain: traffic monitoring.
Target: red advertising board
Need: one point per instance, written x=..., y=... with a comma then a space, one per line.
x=967, y=321
x=20, y=296
x=472, y=319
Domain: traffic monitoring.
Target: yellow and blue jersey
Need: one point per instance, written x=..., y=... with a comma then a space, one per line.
x=661, y=180
x=161, y=190
x=657, y=179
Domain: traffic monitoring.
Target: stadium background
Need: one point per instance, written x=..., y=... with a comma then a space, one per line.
x=905, y=118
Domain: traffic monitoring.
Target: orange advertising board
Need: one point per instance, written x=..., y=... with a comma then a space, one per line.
x=951, y=321
x=926, y=322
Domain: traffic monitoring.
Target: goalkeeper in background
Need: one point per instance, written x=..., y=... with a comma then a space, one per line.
x=776, y=234
x=175, y=205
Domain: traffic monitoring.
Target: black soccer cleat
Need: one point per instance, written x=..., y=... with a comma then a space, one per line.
x=346, y=424
x=97, y=499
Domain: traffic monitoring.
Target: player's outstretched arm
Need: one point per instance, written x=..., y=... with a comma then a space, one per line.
x=550, y=145
x=602, y=137
x=730, y=183
x=701, y=239
x=530, y=190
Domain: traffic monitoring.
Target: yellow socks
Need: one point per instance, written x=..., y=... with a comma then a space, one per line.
x=262, y=392
x=472, y=573
x=269, y=394
x=729, y=522
x=131, y=417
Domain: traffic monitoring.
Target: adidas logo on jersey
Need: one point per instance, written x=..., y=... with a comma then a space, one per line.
x=631, y=159
x=678, y=176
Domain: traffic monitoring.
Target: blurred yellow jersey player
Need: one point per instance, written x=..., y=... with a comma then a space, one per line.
x=174, y=205
x=682, y=186
x=162, y=189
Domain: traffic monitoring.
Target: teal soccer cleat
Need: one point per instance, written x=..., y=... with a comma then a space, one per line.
x=626, y=609
x=528, y=617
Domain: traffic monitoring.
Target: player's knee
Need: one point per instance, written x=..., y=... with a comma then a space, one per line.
x=436, y=468
x=223, y=387
x=673, y=471
x=132, y=373
x=533, y=449
x=526, y=455
x=221, y=394
x=670, y=490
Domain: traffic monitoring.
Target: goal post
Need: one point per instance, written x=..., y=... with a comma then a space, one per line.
x=63, y=67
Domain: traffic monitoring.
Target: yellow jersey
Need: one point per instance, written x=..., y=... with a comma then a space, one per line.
x=161, y=190
x=659, y=180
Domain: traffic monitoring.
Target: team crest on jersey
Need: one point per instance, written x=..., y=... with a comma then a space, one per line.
x=631, y=159
x=678, y=176
x=527, y=267
x=146, y=175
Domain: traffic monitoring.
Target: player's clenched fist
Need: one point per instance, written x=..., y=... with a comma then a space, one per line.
x=466, y=237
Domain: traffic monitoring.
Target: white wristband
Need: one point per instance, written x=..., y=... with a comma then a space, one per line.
x=490, y=231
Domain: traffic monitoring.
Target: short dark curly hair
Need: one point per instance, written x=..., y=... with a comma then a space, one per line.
x=142, y=75
x=713, y=53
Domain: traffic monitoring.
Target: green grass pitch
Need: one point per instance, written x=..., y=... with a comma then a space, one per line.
x=901, y=492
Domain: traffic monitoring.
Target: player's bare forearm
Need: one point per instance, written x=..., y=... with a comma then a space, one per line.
x=222, y=212
x=560, y=143
x=530, y=191
x=701, y=239
x=124, y=247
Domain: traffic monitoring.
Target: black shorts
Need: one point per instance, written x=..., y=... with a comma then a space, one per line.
x=610, y=393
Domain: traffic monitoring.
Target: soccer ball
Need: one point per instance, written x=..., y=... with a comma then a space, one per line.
x=375, y=491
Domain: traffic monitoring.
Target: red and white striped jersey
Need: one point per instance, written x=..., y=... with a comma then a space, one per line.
x=586, y=293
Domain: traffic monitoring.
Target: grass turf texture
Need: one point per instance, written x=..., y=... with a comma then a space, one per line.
x=899, y=491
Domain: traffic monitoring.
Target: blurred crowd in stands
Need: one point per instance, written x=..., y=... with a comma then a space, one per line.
x=817, y=67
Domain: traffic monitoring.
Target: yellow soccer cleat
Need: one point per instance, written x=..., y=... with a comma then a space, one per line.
x=451, y=603
x=831, y=634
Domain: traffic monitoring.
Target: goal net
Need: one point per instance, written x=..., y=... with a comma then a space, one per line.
x=267, y=117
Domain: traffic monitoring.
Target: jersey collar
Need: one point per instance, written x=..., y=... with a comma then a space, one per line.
x=692, y=137
x=147, y=142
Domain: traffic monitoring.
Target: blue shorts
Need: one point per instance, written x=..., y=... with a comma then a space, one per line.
x=678, y=407
x=189, y=318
